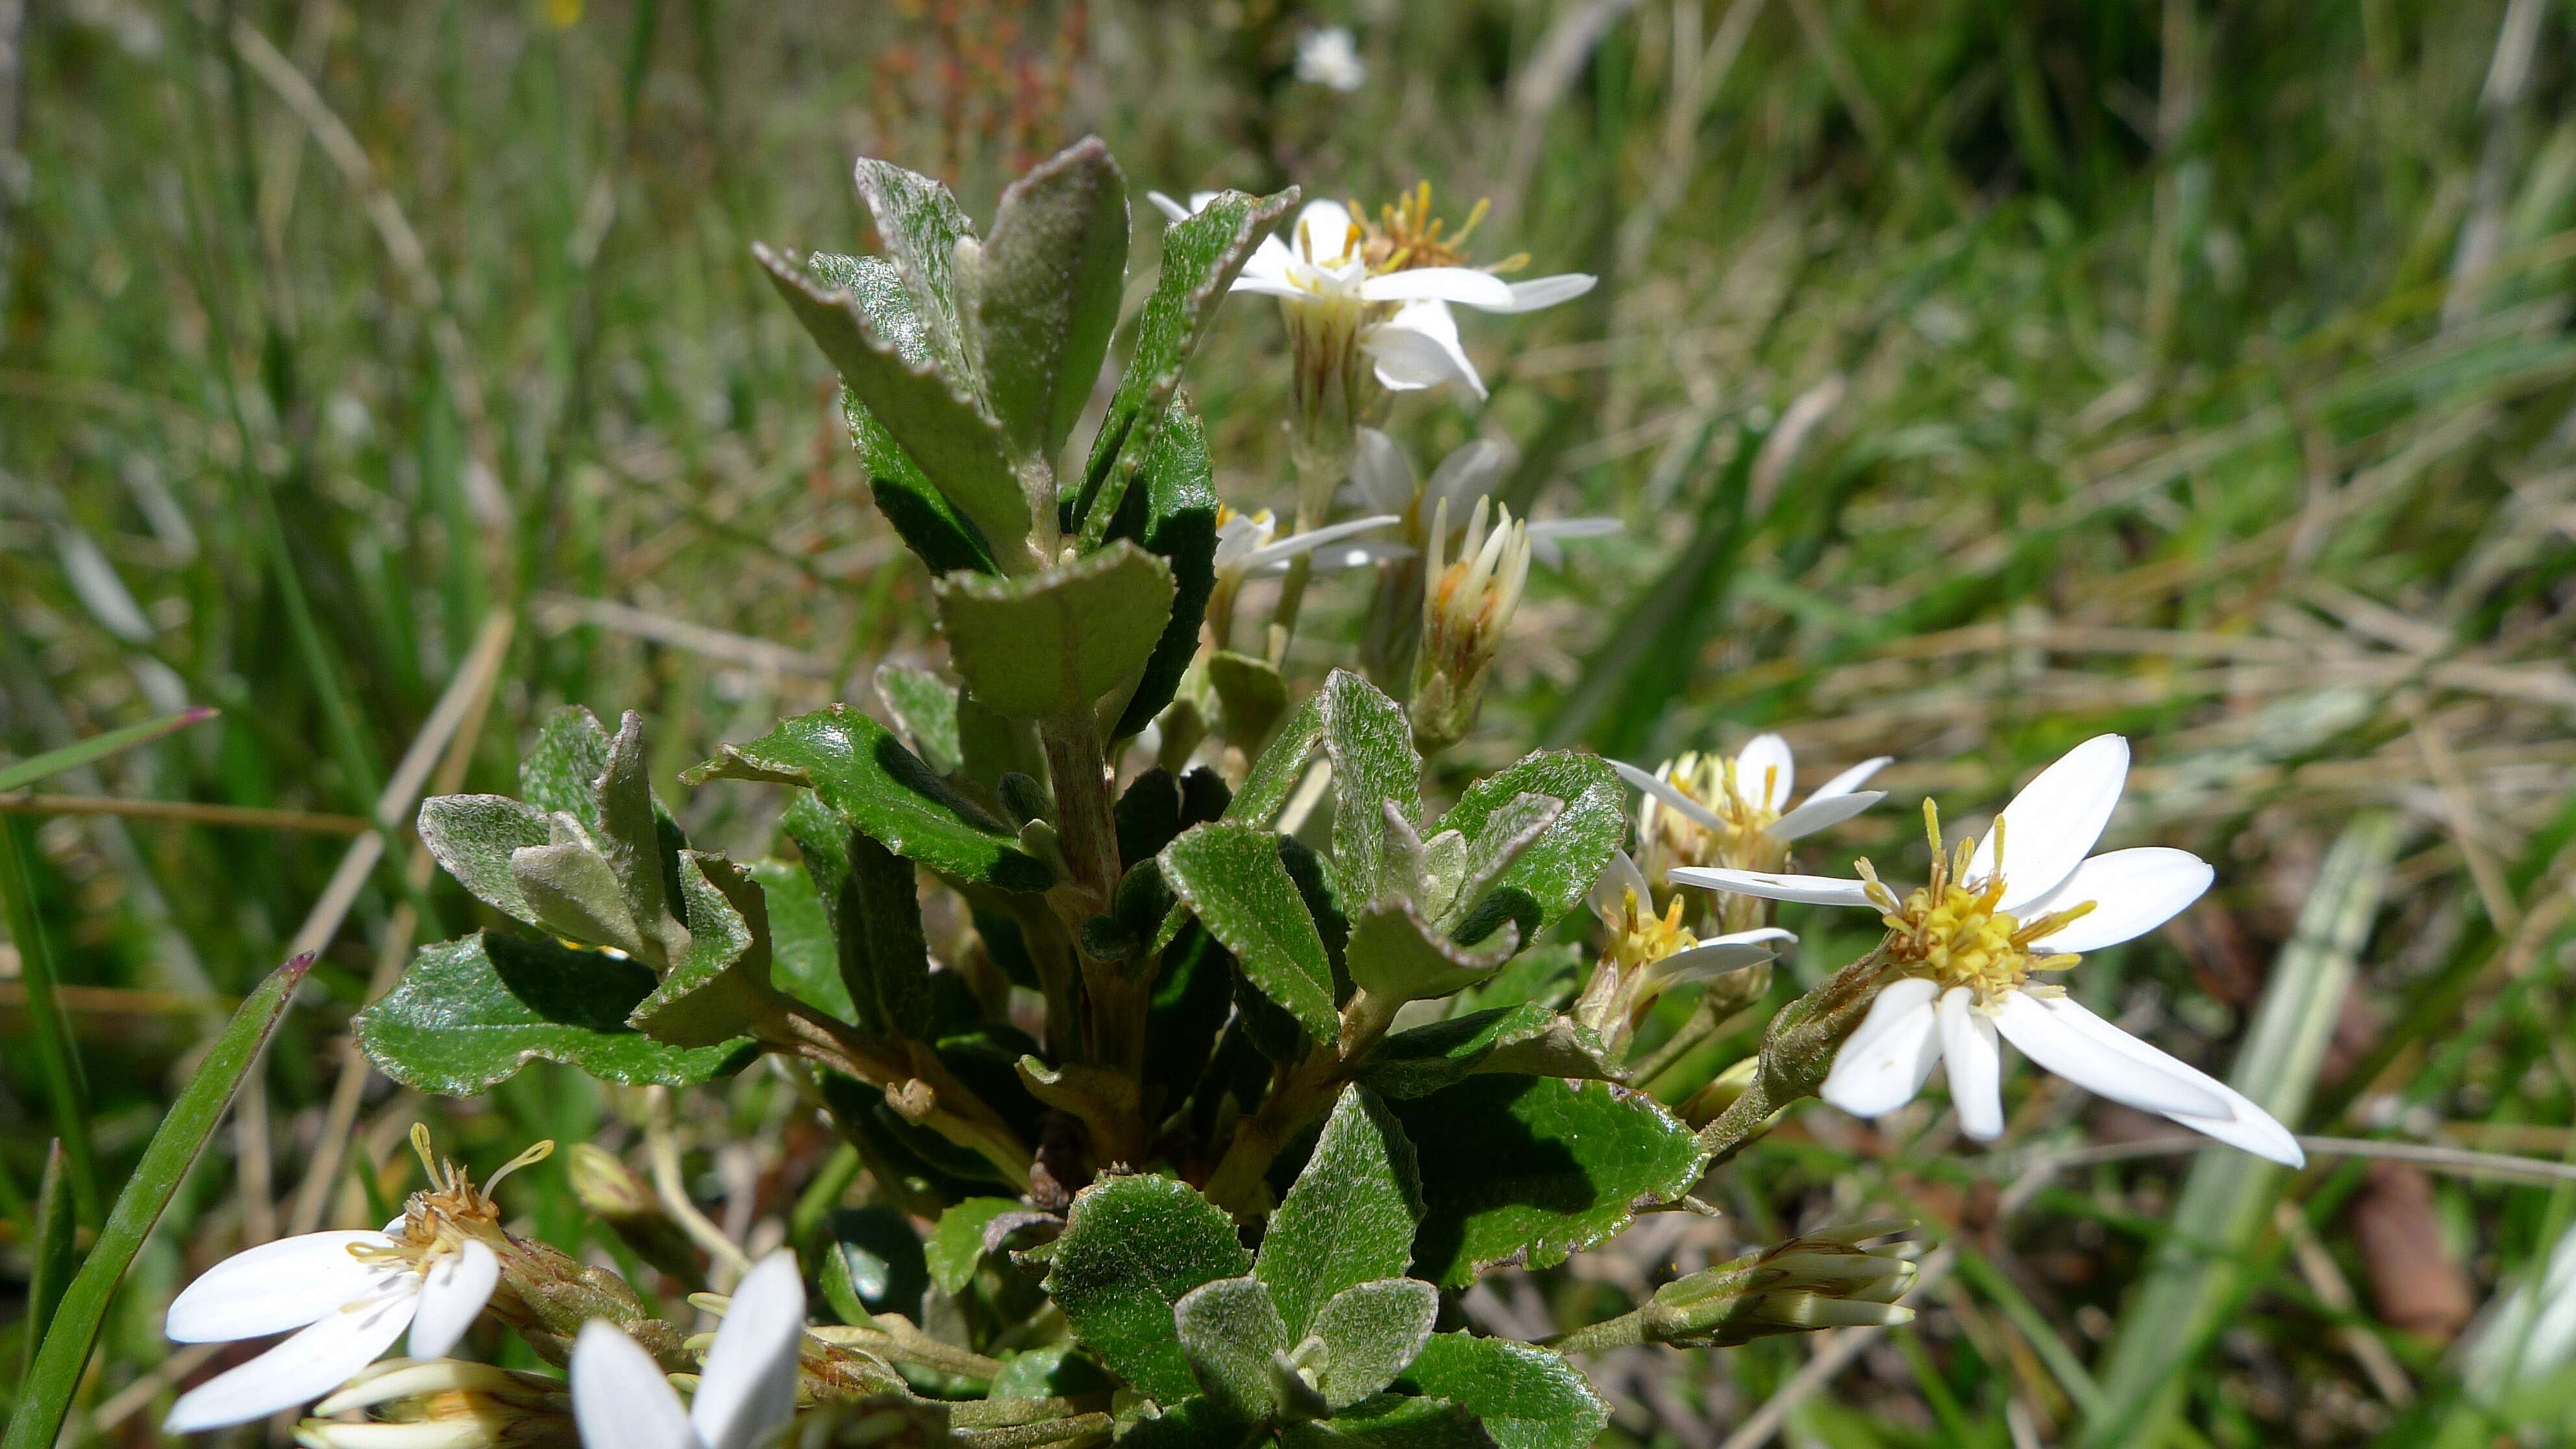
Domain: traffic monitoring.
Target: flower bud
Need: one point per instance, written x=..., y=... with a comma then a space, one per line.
x=442, y=1404
x=1466, y=607
x=618, y=1196
x=1822, y=1280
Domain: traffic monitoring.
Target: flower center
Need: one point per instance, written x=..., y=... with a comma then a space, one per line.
x=438, y=1219
x=1742, y=805
x=1954, y=930
x=1406, y=235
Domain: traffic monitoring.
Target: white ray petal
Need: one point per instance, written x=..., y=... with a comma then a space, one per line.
x=1764, y=771
x=2246, y=1125
x=1337, y=557
x=748, y=1386
x=1609, y=894
x=1670, y=794
x=1418, y=347
x=1698, y=963
x=2054, y=821
x=316, y=1360
x=2132, y=891
x=277, y=1286
x=1885, y=1060
x=1539, y=292
x=1813, y=890
x=1975, y=1063
x=1463, y=285
x=1851, y=779
x=2150, y=1086
x=1313, y=538
x=452, y=1295
x=1759, y=935
x=1271, y=263
x=1467, y=474
x=1821, y=812
x=1265, y=285
x=620, y=1398
x=1167, y=206
x=1321, y=232
x=1381, y=472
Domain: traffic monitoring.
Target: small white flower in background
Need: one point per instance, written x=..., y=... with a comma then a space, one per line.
x=441, y=1404
x=1247, y=544
x=1328, y=57
x=746, y=1388
x=1719, y=810
x=1467, y=607
x=1382, y=478
x=2026, y=898
x=351, y=1294
x=1649, y=955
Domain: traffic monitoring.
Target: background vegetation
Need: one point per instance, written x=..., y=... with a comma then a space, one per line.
x=1972, y=376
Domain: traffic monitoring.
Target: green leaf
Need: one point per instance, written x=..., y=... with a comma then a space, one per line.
x=885, y=792
x=805, y=956
x=561, y=774
x=920, y=225
x=1392, y=1421
x=1528, y=1170
x=924, y=706
x=472, y=837
x=1230, y=1330
x=575, y=892
x=1131, y=1247
x=718, y=990
x=928, y=523
x=629, y=835
x=1370, y=1332
x=470, y=1013
x=1044, y=293
x=1545, y=879
x=54, y=1258
x=873, y=1256
x=1350, y=1216
x=1200, y=259
x=1251, y=694
x=45, y=1394
x=26, y=772
x=1055, y=1370
x=867, y=327
x=957, y=1245
x=1050, y=644
x=1370, y=743
x=1527, y=1397
x=873, y=902
x=1526, y=1039
x=1274, y=776
x=1397, y=955
x=1231, y=878
x=1193, y=1423
x=1174, y=515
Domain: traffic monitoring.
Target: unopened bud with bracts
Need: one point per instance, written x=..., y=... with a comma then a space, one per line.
x=618, y=1196
x=1822, y=1280
x=441, y=1404
x=1467, y=605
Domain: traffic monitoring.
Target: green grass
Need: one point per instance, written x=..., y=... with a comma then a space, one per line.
x=2199, y=372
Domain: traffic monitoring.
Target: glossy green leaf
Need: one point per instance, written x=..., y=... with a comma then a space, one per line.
x=470, y=1013
x=45, y=1394
x=1131, y=1247
x=472, y=837
x=53, y=1258
x=1231, y=878
x=20, y=774
x=805, y=955
x=1274, y=775
x=1251, y=695
x=1172, y=514
x=1397, y=955
x=561, y=772
x=1350, y=1216
x=1526, y=1396
x=1370, y=1332
x=957, y=1245
x=1044, y=293
x=1527, y=1039
x=1050, y=644
x=924, y=707
x=920, y=224
x=1200, y=259
x=1230, y=1330
x=718, y=989
x=1548, y=877
x=1528, y=1170
x=867, y=328
x=1392, y=1421
x=930, y=525
x=1375, y=767
x=884, y=791
x=629, y=835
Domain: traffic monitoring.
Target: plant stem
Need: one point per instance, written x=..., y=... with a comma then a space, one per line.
x=57, y=1060
x=916, y=1083
x=1296, y=1098
x=1624, y=1331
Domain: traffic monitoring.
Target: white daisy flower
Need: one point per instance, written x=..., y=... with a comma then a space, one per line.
x=1712, y=809
x=1247, y=545
x=1649, y=955
x=1328, y=57
x=1382, y=478
x=1966, y=944
x=351, y=1294
x=746, y=1389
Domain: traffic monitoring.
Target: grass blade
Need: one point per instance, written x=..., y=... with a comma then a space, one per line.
x=49, y=1032
x=47, y=1394
x=2229, y=1194
x=55, y=1256
x=28, y=771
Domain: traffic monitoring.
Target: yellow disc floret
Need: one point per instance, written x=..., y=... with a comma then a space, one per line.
x=438, y=1219
x=1954, y=931
x=1742, y=806
x=1406, y=235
